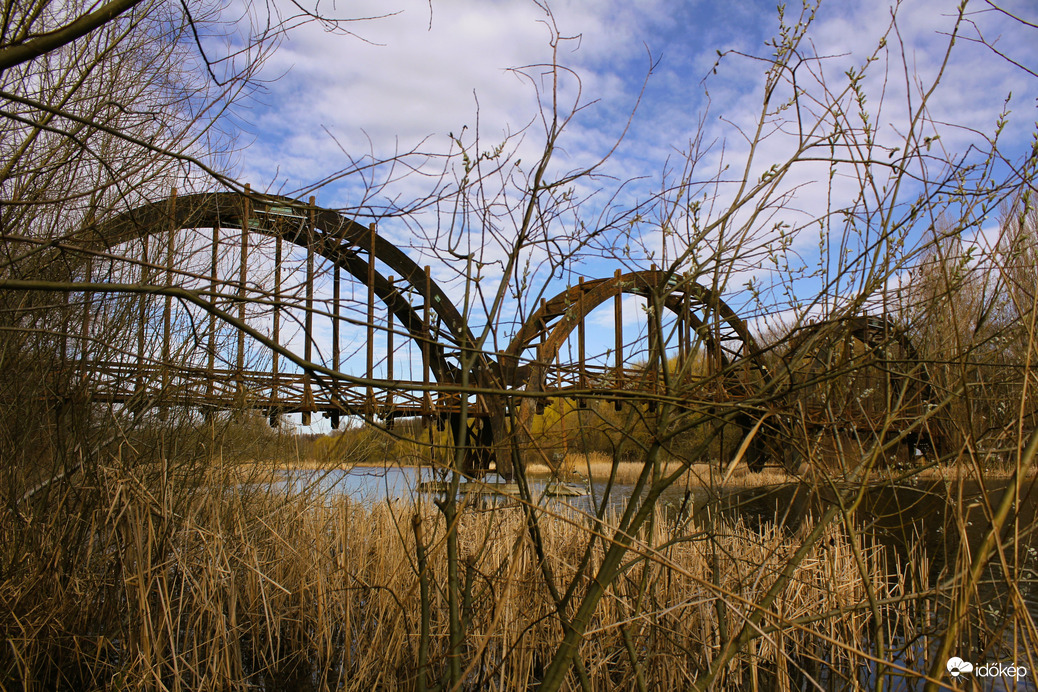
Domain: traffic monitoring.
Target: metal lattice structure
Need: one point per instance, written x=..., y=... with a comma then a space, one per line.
x=702, y=326
x=857, y=380
x=842, y=377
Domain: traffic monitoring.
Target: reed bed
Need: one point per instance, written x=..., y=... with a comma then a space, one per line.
x=255, y=589
x=600, y=467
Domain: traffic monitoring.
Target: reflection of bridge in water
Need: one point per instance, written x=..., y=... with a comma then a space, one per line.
x=227, y=301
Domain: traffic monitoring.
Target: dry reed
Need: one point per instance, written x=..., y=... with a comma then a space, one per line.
x=258, y=589
x=599, y=467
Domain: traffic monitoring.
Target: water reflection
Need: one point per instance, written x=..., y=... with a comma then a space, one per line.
x=374, y=484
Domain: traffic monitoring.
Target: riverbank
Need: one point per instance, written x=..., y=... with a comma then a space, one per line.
x=233, y=582
x=598, y=468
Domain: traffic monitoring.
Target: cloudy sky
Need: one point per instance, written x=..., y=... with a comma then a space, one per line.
x=416, y=79
x=412, y=72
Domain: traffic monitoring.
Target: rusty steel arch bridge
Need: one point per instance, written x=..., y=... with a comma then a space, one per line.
x=233, y=300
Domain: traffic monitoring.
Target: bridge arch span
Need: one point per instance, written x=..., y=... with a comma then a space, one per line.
x=852, y=378
x=429, y=318
x=702, y=322
x=328, y=233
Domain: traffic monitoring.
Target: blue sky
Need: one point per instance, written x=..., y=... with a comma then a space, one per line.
x=418, y=72
x=410, y=78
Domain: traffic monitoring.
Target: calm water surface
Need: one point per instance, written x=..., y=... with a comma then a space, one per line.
x=373, y=484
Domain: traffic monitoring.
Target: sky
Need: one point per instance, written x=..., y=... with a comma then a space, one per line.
x=654, y=101
x=412, y=72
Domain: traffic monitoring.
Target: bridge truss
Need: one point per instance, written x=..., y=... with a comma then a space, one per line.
x=230, y=301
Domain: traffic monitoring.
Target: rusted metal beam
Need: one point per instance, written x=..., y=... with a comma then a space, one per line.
x=426, y=343
x=243, y=268
x=372, y=254
x=85, y=326
x=226, y=210
x=142, y=314
x=581, y=341
x=618, y=337
x=308, y=317
x=213, y=287
x=167, y=314
x=389, y=352
x=167, y=311
x=275, y=389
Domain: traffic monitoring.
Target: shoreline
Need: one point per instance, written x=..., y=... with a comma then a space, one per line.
x=599, y=469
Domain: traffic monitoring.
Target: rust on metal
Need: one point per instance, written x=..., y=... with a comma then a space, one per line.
x=505, y=387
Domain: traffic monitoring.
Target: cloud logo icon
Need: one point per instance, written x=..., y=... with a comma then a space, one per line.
x=956, y=666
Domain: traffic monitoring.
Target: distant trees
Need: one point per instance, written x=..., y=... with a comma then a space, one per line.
x=969, y=306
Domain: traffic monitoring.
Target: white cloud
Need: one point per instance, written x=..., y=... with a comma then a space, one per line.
x=414, y=77
x=405, y=83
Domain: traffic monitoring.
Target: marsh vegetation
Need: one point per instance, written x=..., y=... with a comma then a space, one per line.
x=836, y=492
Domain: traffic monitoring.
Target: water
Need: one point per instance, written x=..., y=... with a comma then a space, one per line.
x=923, y=512
x=374, y=484
x=361, y=483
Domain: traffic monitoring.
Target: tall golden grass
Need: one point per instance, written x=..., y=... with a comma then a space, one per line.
x=258, y=589
x=598, y=466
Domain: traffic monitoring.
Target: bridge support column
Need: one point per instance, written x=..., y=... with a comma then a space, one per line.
x=275, y=364
x=243, y=266
x=308, y=326
x=336, y=296
x=426, y=349
x=84, y=340
x=167, y=312
x=618, y=327
x=210, y=385
x=581, y=345
x=369, y=400
x=142, y=320
x=389, y=355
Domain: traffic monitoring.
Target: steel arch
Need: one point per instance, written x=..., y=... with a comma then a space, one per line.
x=811, y=351
x=725, y=335
x=556, y=318
x=346, y=244
x=331, y=235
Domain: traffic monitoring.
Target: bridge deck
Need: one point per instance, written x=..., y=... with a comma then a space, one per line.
x=138, y=385
x=275, y=392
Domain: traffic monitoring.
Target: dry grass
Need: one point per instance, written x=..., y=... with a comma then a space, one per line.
x=599, y=467
x=258, y=590
x=963, y=472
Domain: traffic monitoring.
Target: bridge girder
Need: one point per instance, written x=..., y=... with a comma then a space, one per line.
x=731, y=351
x=700, y=314
x=329, y=234
x=839, y=351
